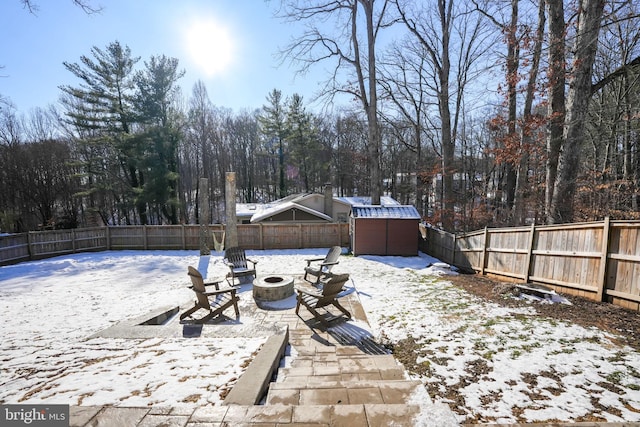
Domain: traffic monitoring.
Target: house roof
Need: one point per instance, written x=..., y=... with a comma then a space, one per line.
x=282, y=207
x=304, y=197
x=391, y=212
x=260, y=211
x=361, y=200
x=247, y=209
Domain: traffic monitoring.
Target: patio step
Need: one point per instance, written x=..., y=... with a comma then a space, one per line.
x=388, y=392
x=359, y=415
x=349, y=378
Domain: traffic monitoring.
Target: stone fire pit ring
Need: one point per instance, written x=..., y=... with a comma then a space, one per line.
x=273, y=287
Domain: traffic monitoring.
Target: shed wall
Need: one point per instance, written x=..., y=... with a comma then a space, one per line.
x=383, y=236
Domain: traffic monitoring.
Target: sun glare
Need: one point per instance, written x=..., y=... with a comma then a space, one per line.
x=210, y=46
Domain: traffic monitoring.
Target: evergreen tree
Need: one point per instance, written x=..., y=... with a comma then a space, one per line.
x=160, y=134
x=302, y=142
x=101, y=111
x=272, y=123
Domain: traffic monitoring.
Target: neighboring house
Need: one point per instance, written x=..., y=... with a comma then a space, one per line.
x=304, y=208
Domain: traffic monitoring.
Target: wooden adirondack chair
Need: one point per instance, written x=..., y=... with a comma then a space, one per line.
x=321, y=267
x=314, y=299
x=215, y=301
x=239, y=265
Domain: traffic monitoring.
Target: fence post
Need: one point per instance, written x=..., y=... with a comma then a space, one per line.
x=300, y=243
x=73, y=240
x=29, y=243
x=484, y=250
x=261, y=236
x=108, y=237
x=144, y=237
x=602, y=272
x=184, y=238
x=532, y=236
x=453, y=250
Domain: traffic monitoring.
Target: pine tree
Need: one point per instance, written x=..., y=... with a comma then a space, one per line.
x=101, y=111
x=272, y=123
x=160, y=134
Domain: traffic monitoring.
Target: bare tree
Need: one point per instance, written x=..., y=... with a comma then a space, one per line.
x=518, y=138
x=352, y=45
x=556, y=94
x=435, y=30
x=405, y=85
x=85, y=5
x=529, y=122
x=584, y=52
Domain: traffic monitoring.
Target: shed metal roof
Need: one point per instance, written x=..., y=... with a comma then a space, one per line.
x=391, y=212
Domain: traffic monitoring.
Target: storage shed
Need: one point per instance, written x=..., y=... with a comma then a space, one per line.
x=384, y=230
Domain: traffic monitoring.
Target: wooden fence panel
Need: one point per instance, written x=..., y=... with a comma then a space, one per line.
x=14, y=248
x=164, y=237
x=192, y=237
x=597, y=260
x=45, y=244
x=22, y=247
x=568, y=257
x=507, y=252
x=250, y=236
x=90, y=239
x=127, y=237
x=469, y=251
x=321, y=235
x=282, y=237
x=623, y=265
x=441, y=245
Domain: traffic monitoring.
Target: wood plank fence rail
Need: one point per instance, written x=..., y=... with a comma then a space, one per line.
x=597, y=260
x=16, y=248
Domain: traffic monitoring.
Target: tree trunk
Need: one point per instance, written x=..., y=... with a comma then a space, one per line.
x=577, y=105
x=526, y=131
x=513, y=63
x=448, y=143
x=556, y=95
x=369, y=95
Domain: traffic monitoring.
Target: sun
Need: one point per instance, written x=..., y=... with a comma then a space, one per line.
x=210, y=46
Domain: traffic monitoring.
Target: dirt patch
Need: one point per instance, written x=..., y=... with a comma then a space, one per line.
x=608, y=317
x=623, y=326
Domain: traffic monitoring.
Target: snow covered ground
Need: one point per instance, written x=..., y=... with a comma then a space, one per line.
x=505, y=365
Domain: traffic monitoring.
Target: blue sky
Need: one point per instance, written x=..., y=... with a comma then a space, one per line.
x=228, y=44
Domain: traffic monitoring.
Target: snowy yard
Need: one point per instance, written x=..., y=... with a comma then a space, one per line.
x=489, y=363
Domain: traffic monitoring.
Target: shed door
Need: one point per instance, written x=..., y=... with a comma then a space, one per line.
x=370, y=236
x=402, y=237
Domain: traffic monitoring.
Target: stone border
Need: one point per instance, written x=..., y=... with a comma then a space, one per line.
x=274, y=287
x=253, y=384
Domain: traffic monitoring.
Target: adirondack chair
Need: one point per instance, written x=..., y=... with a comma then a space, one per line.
x=321, y=267
x=215, y=301
x=239, y=265
x=314, y=299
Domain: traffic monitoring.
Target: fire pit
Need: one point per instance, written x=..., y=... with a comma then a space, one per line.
x=272, y=288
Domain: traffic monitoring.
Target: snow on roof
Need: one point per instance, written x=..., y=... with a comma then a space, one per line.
x=394, y=211
x=361, y=200
x=281, y=207
x=247, y=209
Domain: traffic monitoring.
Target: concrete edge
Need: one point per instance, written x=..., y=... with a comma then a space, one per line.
x=254, y=382
x=143, y=322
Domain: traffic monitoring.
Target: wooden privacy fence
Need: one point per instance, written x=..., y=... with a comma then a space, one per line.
x=43, y=244
x=597, y=260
